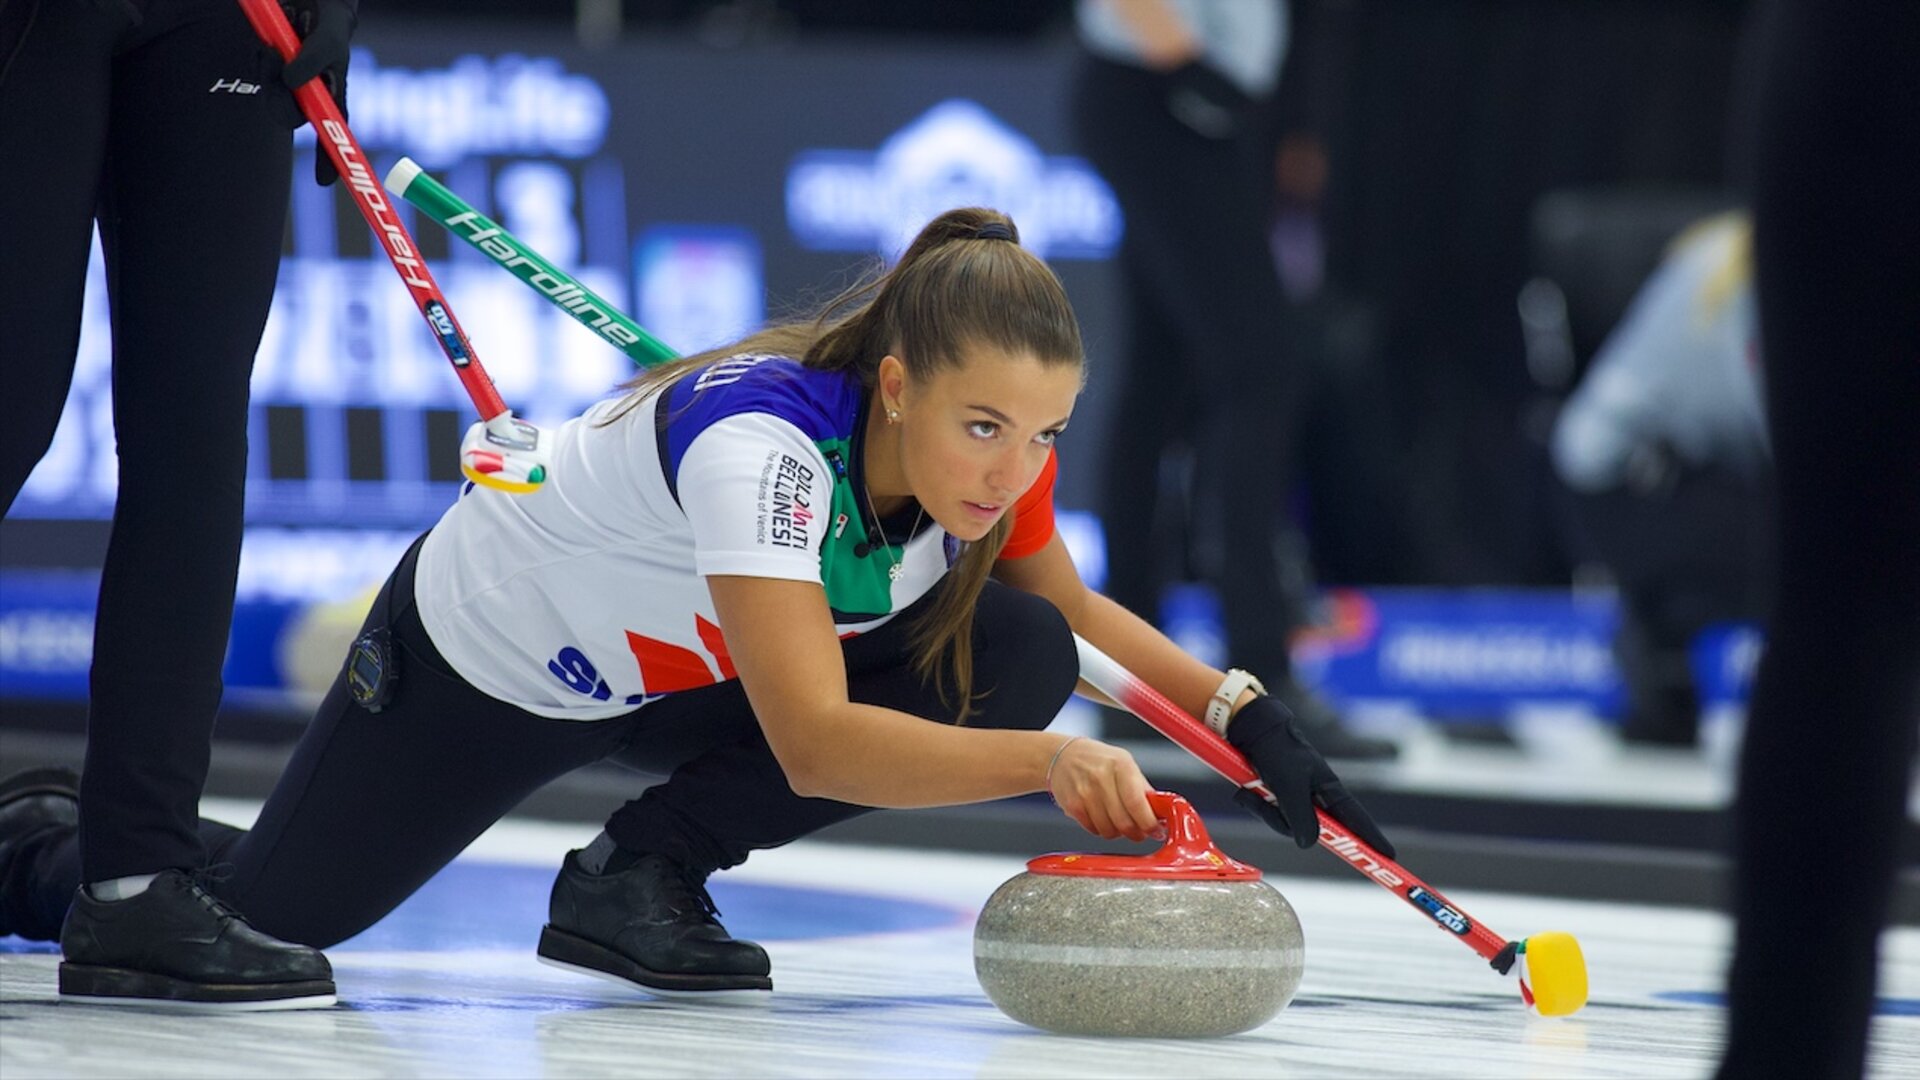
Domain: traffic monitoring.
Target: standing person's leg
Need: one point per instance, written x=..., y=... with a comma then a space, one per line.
x=1155, y=379
x=1831, y=735
x=192, y=212
x=1147, y=418
x=634, y=904
x=53, y=131
x=1214, y=275
x=1203, y=255
x=190, y=269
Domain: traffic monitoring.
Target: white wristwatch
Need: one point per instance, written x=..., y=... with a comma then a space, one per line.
x=1220, y=705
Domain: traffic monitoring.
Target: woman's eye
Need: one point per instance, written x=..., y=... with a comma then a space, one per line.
x=1046, y=438
x=983, y=429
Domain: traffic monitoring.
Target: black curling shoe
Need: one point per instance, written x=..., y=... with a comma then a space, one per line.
x=31, y=803
x=175, y=944
x=651, y=925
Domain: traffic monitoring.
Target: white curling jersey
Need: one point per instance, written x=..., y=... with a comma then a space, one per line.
x=585, y=598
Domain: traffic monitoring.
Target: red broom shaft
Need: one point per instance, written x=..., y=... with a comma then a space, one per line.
x=337, y=141
x=1219, y=755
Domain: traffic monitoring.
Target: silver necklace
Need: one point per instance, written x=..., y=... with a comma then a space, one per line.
x=897, y=569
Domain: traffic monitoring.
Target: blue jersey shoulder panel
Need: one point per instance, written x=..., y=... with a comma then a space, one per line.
x=822, y=404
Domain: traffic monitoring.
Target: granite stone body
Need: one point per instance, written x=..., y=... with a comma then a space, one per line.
x=1139, y=957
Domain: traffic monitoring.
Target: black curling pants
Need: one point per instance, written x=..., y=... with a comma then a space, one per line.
x=1831, y=737
x=103, y=118
x=372, y=805
x=1206, y=357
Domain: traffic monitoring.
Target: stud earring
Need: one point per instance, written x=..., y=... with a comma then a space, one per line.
x=893, y=416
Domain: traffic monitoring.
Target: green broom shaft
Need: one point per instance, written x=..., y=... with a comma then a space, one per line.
x=587, y=307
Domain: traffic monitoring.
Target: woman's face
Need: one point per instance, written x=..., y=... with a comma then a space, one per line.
x=973, y=438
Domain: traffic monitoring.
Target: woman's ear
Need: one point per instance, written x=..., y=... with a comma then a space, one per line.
x=891, y=379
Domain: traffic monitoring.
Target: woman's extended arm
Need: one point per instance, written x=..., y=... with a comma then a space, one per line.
x=1260, y=728
x=1129, y=639
x=782, y=641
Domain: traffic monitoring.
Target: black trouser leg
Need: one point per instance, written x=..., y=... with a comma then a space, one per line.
x=1196, y=235
x=192, y=211
x=1150, y=417
x=732, y=798
x=191, y=257
x=1831, y=736
x=372, y=805
x=53, y=138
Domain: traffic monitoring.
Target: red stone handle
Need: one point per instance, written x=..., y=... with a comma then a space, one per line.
x=1188, y=852
x=1186, y=834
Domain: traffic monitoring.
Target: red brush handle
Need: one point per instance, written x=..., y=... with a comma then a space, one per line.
x=1199, y=740
x=330, y=130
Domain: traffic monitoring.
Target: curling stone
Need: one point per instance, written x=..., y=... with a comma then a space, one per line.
x=1182, y=943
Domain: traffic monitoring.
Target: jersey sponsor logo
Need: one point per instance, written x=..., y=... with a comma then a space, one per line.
x=665, y=668
x=730, y=370
x=785, y=504
x=572, y=668
x=233, y=86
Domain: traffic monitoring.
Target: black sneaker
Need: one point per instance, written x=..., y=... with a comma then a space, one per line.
x=1322, y=726
x=176, y=944
x=31, y=803
x=650, y=924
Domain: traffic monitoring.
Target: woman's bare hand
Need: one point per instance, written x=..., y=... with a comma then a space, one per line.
x=1102, y=788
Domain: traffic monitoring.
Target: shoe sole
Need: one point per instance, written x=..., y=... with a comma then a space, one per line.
x=93, y=985
x=571, y=952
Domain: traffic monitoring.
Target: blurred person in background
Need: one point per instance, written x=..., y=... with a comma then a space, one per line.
x=1164, y=98
x=1663, y=449
x=170, y=124
x=1826, y=767
x=1349, y=528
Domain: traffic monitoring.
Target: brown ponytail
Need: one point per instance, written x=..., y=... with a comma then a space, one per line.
x=964, y=282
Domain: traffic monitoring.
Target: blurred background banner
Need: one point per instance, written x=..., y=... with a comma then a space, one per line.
x=653, y=174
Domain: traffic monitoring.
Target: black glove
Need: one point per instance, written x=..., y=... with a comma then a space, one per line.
x=1207, y=101
x=1264, y=730
x=326, y=33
